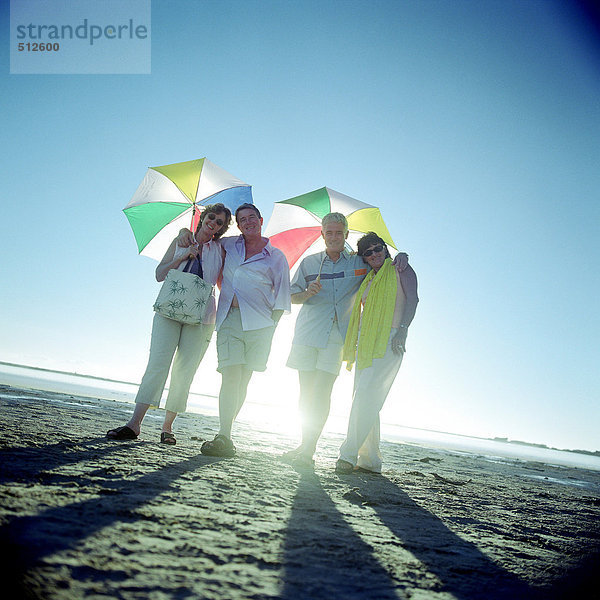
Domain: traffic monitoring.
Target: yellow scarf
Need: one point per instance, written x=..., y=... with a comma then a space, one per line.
x=376, y=322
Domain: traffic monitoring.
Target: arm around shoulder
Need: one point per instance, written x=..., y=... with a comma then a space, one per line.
x=401, y=261
x=408, y=281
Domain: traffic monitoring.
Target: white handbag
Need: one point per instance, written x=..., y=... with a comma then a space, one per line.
x=183, y=297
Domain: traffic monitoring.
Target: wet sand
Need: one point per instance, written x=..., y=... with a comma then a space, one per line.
x=82, y=516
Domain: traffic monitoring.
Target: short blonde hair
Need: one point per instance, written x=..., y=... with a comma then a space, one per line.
x=335, y=217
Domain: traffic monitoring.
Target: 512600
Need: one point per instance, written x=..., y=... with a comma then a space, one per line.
x=39, y=47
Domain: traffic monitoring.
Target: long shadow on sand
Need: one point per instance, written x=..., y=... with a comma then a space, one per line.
x=26, y=463
x=59, y=528
x=462, y=569
x=335, y=562
x=324, y=558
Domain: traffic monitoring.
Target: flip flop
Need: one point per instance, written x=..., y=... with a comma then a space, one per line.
x=220, y=446
x=121, y=433
x=167, y=438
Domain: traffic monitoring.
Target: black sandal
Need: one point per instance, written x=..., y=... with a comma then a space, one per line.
x=166, y=437
x=220, y=446
x=121, y=433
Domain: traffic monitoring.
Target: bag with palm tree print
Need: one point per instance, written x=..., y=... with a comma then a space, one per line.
x=183, y=296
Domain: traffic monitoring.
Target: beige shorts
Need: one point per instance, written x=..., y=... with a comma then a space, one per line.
x=238, y=347
x=309, y=358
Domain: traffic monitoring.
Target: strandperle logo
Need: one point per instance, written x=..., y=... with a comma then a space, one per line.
x=83, y=31
x=80, y=37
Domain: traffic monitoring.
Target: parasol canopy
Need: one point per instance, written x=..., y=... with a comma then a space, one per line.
x=295, y=224
x=169, y=197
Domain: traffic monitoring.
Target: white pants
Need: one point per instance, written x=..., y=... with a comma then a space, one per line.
x=371, y=387
x=168, y=336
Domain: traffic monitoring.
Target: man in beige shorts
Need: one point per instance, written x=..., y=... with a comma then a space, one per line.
x=255, y=292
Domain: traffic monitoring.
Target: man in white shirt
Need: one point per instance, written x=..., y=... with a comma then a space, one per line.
x=254, y=294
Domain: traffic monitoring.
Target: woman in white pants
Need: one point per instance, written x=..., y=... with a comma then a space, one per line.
x=376, y=340
x=186, y=343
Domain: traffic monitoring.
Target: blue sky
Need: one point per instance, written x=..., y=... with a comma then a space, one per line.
x=474, y=126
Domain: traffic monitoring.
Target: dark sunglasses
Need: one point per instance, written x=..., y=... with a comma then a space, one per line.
x=212, y=217
x=369, y=252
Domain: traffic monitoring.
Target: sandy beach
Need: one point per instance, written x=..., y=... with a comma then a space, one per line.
x=82, y=516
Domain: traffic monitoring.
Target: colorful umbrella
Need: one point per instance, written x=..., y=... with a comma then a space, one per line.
x=169, y=196
x=295, y=225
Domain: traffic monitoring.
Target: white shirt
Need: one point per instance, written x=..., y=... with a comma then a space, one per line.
x=261, y=284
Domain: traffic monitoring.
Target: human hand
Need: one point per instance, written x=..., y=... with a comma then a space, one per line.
x=399, y=341
x=401, y=261
x=185, y=238
x=193, y=251
x=314, y=287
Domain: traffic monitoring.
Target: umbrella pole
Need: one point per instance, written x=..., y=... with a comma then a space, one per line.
x=321, y=268
x=193, y=219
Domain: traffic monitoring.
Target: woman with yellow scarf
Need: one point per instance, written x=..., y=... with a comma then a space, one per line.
x=376, y=341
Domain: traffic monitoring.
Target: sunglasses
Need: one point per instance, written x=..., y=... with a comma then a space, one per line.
x=212, y=217
x=369, y=252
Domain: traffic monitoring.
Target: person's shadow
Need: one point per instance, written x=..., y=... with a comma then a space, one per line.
x=461, y=568
x=118, y=502
x=34, y=461
x=26, y=540
x=325, y=558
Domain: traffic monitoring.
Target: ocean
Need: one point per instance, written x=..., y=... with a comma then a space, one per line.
x=95, y=387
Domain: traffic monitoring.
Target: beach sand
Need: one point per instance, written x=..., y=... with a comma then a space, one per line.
x=82, y=516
